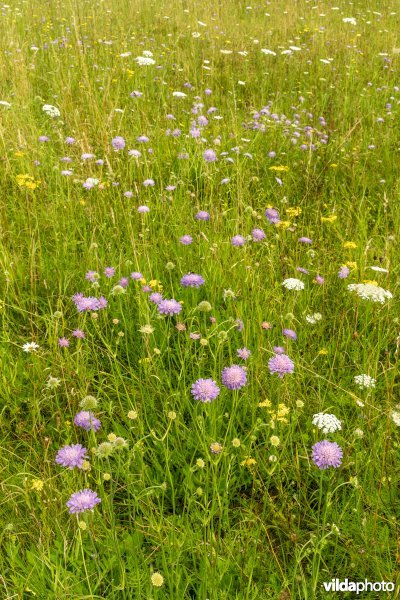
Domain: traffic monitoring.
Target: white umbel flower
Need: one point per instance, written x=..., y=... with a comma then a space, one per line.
x=50, y=110
x=313, y=319
x=179, y=94
x=379, y=269
x=367, y=291
x=145, y=61
x=396, y=417
x=350, y=20
x=327, y=423
x=364, y=381
x=293, y=284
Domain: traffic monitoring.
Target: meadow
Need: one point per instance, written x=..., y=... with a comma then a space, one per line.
x=199, y=284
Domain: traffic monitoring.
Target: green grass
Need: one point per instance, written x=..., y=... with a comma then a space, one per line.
x=273, y=529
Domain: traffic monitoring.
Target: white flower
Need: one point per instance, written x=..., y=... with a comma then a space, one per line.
x=358, y=433
x=226, y=51
x=312, y=319
x=147, y=54
x=396, y=417
x=267, y=51
x=179, y=94
x=364, y=381
x=367, y=291
x=293, y=284
x=145, y=61
x=350, y=20
x=125, y=54
x=4, y=103
x=91, y=182
x=52, y=382
x=379, y=269
x=50, y=110
x=327, y=423
x=30, y=347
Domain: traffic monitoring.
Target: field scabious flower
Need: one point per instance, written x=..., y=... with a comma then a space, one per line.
x=243, y=353
x=216, y=448
x=281, y=364
x=234, y=377
x=169, y=307
x=186, y=240
x=202, y=215
x=71, y=456
x=118, y=143
x=82, y=501
x=205, y=390
x=327, y=423
x=326, y=454
x=258, y=234
x=238, y=240
x=87, y=421
x=272, y=215
x=209, y=156
x=192, y=280
x=289, y=333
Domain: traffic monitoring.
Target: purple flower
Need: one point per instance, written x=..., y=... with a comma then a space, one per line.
x=71, y=456
x=87, y=421
x=205, y=390
x=136, y=276
x=302, y=270
x=124, y=282
x=320, y=280
x=92, y=276
x=305, y=240
x=63, y=342
x=82, y=501
x=258, y=235
x=243, y=353
x=43, y=138
x=281, y=364
x=202, y=215
x=169, y=307
x=272, y=215
x=87, y=156
x=239, y=324
x=155, y=297
x=234, y=377
x=146, y=288
x=148, y=182
x=128, y=194
x=70, y=140
x=279, y=350
x=238, y=240
x=101, y=303
x=344, y=272
x=186, y=240
x=170, y=188
x=194, y=336
x=78, y=333
x=118, y=143
x=289, y=333
x=143, y=139
x=109, y=272
x=192, y=280
x=326, y=454
x=210, y=156
x=143, y=209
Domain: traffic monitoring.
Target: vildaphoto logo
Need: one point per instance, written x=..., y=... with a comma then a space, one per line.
x=338, y=585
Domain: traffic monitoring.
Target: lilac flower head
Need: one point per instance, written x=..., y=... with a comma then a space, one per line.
x=234, y=377
x=344, y=272
x=124, y=282
x=238, y=240
x=302, y=270
x=205, y=390
x=63, y=342
x=272, y=215
x=78, y=333
x=109, y=272
x=143, y=209
x=192, y=280
x=326, y=454
x=305, y=240
x=258, y=235
x=43, y=138
x=155, y=297
x=279, y=350
x=70, y=140
x=136, y=276
x=169, y=307
x=148, y=182
x=82, y=501
x=289, y=333
x=186, y=240
x=209, y=156
x=243, y=353
x=202, y=215
x=319, y=280
x=92, y=276
x=87, y=421
x=281, y=364
x=71, y=456
x=239, y=324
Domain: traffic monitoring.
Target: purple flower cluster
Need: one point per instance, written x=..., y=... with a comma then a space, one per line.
x=281, y=364
x=87, y=421
x=327, y=454
x=192, y=280
x=234, y=377
x=82, y=501
x=84, y=304
x=272, y=215
x=205, y=390
x=169, y=307
x=71, y=456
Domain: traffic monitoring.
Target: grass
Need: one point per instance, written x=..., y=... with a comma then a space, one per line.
x=258, y=521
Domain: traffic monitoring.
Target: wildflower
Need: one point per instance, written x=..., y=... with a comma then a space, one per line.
x=50, y=110
x=248, y=462
x=379, y=269
x=238, y=240
x=63, y=342
x=132, y=415
x=157, y=579
x=30, y=347
x=105, y=449
x=266, y=325
x=78, y=333
x=204, y=306
x=146, y=329
x=109, y=272
x=52, y=382
x=145, y=61
x=395, y=415
x=169, y=307
x=143, y=209
x=216, y=448
x=136, y=276
x=350, y=245
x=364, y=381
x=274, y=441
x=272, y=215
x=289, y=333
x=87, y=421
x=293, y=284
x=319, y=280
x=313, y=319
x=358, y=433
x=192, y=280
x=71, y=456
x=88, y=403
x=186, y=240
x=209, y=156
x=327, y=423
x=326, y=454
x=200, y=463
x=234, y=377
x=368, y=291
x=82, y=501
x=118, y=143
x=243, y=353
x=343, y=272
x=202, y=215
x=281, y=364
x=205, y=390
x=258, y=234
x=305, y=240
x=37, y=485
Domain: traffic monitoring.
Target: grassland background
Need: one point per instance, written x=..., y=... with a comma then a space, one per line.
x=225, y=531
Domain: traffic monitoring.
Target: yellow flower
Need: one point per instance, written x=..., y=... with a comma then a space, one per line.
x=157, y=579
x=279, y=168
x=37, y=485
x=132, y=415
x=333, y=166
x=369, y=282
x=349, y=245
x=200, y=463
x=293, y=211
x=265, y=403
x=274, y=440
x=106, y=476
x=236, y=442
x=351, y=264
x=82, y=525
x=248, y=462
x=323, y=351
x=19, y=153
x=330, y=219
x=283, y=224
x=111, y=437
